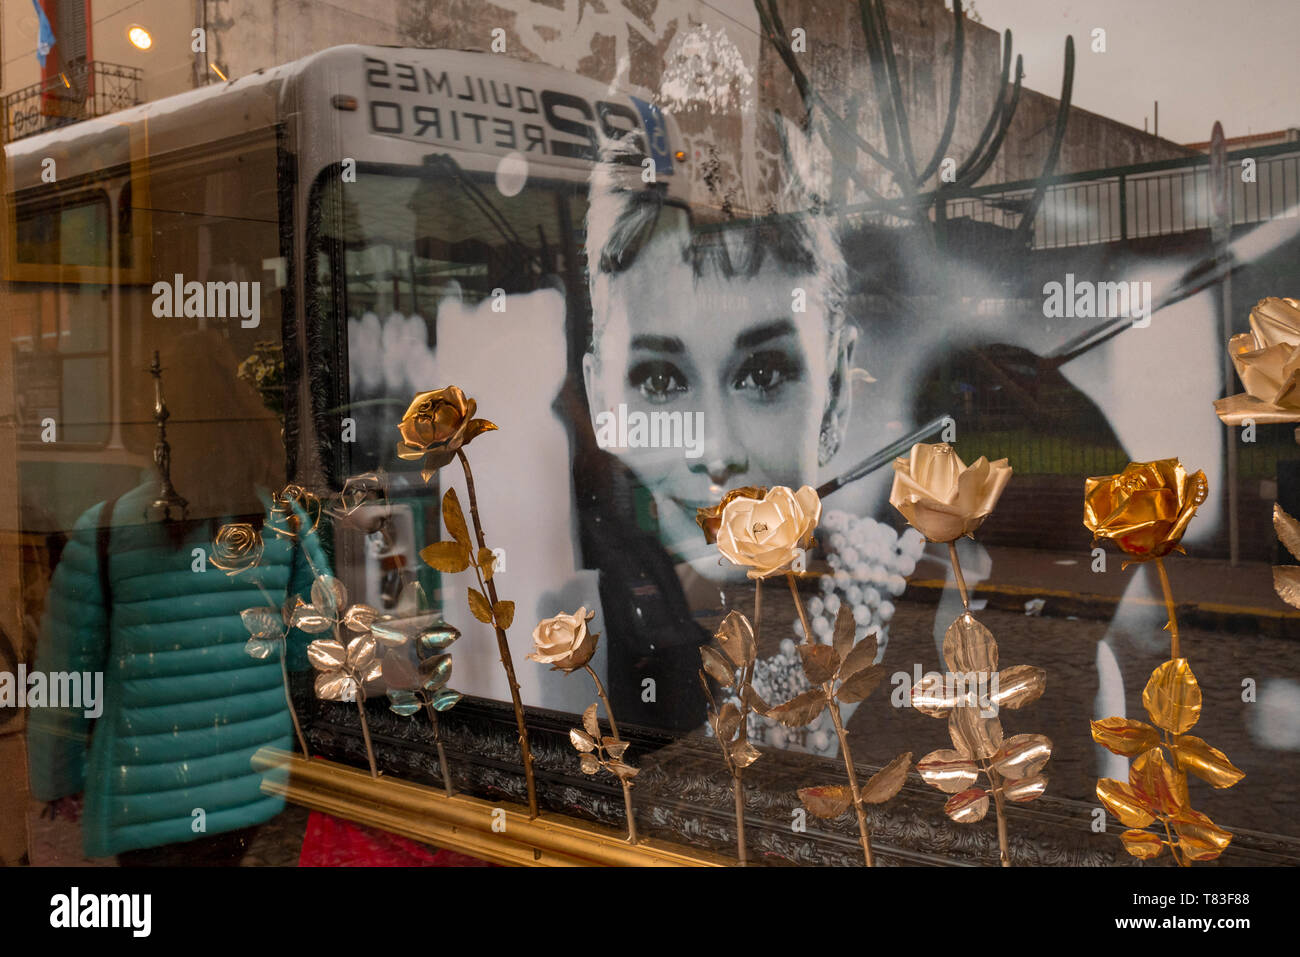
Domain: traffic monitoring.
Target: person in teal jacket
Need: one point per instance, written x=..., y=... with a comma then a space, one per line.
x=185, y=706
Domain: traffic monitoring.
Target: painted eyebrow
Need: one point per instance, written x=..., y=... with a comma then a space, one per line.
x=755, y=337
x=658, y=343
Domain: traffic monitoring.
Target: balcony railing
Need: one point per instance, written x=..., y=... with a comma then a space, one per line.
x=82, y=91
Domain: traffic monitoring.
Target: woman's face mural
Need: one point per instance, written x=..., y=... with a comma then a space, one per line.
x=751, y=361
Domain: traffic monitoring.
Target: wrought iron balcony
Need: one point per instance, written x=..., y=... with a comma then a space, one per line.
x=85, y=89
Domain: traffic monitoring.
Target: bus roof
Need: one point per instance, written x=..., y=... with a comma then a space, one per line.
x=259, y=100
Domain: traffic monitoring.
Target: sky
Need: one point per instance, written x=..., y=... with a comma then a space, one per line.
x=1235, y=61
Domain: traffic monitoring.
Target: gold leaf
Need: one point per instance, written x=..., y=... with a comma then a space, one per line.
x=487, y=563
x=454, y=518
x=861, y=684
x=1122, y=736
x=589, y=722
x=581, y=740
x=1026, y=789
x=1209, y=764
x=450, y=557
x=948, y=771
x=615, y=749
x=827, y=802
x=969, y=646
x=968, y=806
x=1022, y=755
x=504, y=612
x=1019, y=686
x=728, y=721
x=1131, y=808
x=590, y=765
x=932, y=696
x=717, y=666
x=743, y=754
x=845, y=631
x=753, y=700
x=1142, y=844
x=800, y=710
x=1172, y=697
x=1286, y=582
x=1288, y=530
x=736, y=636
x=973, y=735
x=819, y=662
x=886, y=782
x=479, y=606
x=624, y=772
x=1164, y=787
x=1199, y=838
x=862, y=655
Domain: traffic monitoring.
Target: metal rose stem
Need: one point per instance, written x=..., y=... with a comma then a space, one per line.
x=288, y=698
x=613, y=729
x=365, y=730
x=798, y=604
x=503, y=645
x=284, y=673
x=995, y=779
x=864, y=834
x=1174, y=651
x=442, y=752
x=956, y=570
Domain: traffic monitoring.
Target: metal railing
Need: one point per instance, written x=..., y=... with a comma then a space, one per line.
x=84, y=90
x=1126, y=202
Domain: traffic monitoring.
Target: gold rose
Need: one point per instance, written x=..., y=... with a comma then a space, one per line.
x=565, y=643
x=435, y=428
x=1265, y=359
x=1145, y=510
x=237, y=548
x=768, y=534
x=944, y=499
x=738, y=640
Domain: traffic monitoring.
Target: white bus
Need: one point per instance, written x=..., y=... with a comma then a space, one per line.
x=343, y=225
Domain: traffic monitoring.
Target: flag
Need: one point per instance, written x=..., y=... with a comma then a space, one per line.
x=45, y=41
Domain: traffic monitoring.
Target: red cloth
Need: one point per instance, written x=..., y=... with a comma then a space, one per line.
x=334, y=842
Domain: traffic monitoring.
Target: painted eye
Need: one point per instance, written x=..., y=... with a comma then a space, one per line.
x=766, y=372
x=658, y=381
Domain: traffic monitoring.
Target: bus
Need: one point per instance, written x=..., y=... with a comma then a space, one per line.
x=285, y=241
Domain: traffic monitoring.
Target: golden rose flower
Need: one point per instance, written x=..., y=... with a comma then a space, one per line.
x=564, y=642
x=237, y=548
x=766, y=535
x=436, y=425
x=1268, y=361
x=710, y=519
x=1145, y=509
x=290, y=507
x=943, y=498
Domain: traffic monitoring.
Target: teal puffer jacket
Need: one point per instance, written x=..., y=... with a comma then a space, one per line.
x=185, y=707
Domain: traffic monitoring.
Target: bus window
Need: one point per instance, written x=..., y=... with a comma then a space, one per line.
x=72, y=233
x=409, y=241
